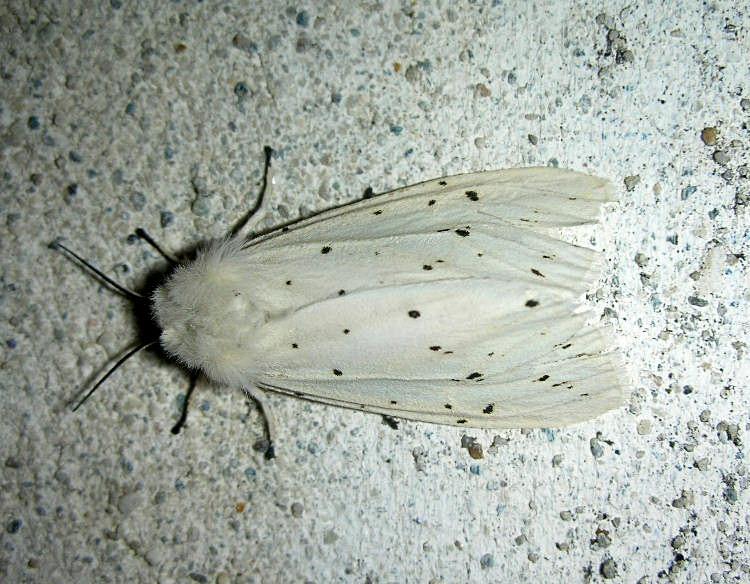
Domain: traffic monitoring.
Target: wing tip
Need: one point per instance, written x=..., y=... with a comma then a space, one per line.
x=607, y=189
x=598, y=188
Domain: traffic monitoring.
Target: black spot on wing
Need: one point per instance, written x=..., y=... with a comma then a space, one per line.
x=325, y=249
x=537, y=273
x=532, y=303
x=414, y=314
x=337, y=372
x=489, y=408
x=472, y=195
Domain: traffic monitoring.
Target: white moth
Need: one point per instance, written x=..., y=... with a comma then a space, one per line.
x=448, y=302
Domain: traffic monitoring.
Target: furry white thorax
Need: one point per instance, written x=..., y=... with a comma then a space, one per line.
x=206, y=320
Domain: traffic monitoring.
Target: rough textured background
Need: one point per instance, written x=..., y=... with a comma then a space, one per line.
x=129, y=115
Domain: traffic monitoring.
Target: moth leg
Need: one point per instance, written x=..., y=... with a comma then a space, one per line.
x=259, y=397
x=183, y=416
x=142, y=234
x=244, y=227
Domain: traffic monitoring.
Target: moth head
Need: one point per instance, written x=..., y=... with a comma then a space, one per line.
x=197, y=312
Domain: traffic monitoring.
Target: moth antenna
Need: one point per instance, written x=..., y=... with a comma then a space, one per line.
x=243, y=225
x=112, y=369
x=56, y=245
x=183, y=416
x=140, y=232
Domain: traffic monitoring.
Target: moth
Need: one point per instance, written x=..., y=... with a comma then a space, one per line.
x=451, y=301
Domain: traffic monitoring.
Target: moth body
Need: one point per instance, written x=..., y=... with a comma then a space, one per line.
x=448, y=302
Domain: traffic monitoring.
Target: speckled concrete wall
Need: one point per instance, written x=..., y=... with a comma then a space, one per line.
x=155, y=114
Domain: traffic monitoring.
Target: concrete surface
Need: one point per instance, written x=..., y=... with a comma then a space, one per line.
x=117, y=115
